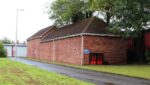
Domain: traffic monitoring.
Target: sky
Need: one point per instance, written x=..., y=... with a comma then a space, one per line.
x=31, y=20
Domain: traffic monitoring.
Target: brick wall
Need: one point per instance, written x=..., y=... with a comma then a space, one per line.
x=32, y=48
x=114, y=48
x=39, y=51
x=64, y=50
x=68, y=50
x=46, y=51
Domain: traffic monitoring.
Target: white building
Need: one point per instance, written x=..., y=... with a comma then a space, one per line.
x=21, y=50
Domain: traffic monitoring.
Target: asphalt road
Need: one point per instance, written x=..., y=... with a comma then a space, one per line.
x=90, y=76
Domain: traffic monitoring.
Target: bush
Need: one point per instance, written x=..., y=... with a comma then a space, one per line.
x=2, y=50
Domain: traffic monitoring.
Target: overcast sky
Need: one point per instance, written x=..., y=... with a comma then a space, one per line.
x=32, y=19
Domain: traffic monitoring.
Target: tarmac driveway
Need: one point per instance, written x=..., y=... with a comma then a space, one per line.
x=90, y=76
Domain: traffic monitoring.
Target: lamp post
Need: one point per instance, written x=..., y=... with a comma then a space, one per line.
x=17, y=11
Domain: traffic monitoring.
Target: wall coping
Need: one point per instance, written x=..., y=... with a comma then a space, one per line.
x=82, y=34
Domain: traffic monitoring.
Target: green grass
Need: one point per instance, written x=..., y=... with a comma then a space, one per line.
x=15, y=73
x=138, y=71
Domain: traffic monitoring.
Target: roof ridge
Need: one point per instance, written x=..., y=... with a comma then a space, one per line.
x=36, y=35
x=47, y=33
x=48, y=28
x=86, y=27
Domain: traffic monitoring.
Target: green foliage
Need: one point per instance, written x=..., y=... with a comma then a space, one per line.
x=104, y=8
x=2, y=50
x=15, y=73
x=131, y=16
x=6, y=41
x=62, y=11
x=65, y=11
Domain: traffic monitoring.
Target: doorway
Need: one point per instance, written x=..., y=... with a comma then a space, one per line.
x=96, y=58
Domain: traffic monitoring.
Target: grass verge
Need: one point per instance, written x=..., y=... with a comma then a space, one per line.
x=15, y=73
x=138, y=71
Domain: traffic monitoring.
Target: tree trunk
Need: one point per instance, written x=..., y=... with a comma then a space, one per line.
x=140, y=49
x=108, y=16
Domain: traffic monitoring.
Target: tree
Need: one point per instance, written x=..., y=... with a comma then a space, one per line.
x=6, y=41
x=67, y=11
x=132, y=17
x=70, y=11
x=104, y=7
x=2, y=50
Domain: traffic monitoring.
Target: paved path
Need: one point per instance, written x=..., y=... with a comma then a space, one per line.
x=85, y=75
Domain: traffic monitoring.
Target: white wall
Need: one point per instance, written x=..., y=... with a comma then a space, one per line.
x=21, y=50
x=9, y=50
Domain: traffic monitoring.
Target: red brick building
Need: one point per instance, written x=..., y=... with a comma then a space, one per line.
x=84, y=42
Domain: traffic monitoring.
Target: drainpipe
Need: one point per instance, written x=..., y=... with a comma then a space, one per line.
x=82, y=48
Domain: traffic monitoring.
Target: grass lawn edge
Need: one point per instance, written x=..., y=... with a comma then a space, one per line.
x=18, y=71
x=82, y=68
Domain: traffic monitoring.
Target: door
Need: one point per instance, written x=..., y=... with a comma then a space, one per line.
x=96, y=58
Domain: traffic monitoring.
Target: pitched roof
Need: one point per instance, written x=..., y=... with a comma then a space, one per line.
x=90, y=25
x=40, y=33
